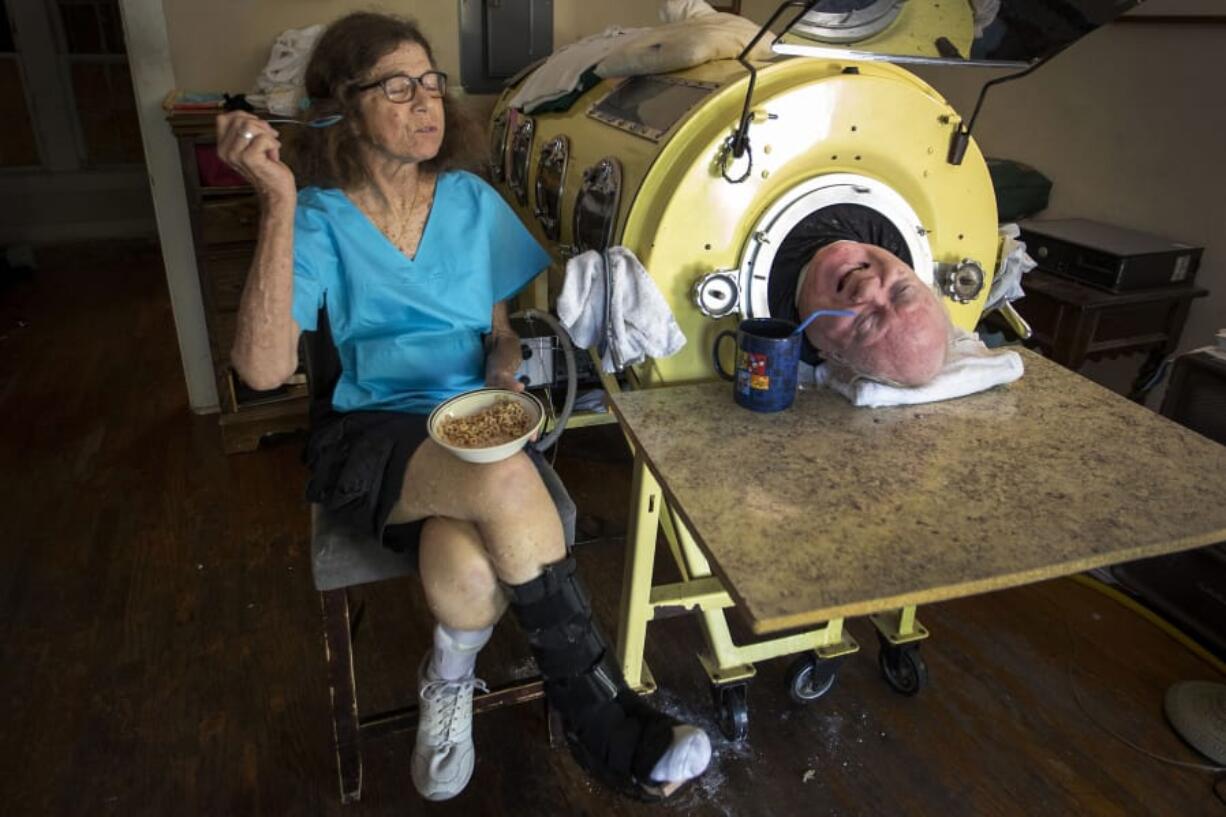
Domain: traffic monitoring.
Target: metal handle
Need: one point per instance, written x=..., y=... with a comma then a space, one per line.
x=1016, y=322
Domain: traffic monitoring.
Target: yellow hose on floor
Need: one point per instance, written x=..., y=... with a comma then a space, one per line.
x=1154, y=619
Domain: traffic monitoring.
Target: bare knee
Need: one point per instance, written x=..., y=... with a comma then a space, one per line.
x=461, y=585
x=512, y=485
x=438, y=484
x=517, y=524
x=472, y=577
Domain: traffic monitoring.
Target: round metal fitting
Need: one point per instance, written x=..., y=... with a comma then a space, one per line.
x=857, y=20
x=964, y=282
x=717, y=294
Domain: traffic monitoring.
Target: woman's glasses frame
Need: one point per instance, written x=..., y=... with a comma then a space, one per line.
x=401, y=93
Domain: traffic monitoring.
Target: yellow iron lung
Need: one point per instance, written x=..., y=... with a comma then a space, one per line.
x=873, y=125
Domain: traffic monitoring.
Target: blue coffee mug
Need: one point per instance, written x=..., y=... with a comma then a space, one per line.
x=767, y=359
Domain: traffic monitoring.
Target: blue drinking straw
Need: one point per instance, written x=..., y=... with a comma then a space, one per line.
x=833, y=313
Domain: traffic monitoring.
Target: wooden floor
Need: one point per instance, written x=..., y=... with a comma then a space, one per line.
x=162, y=655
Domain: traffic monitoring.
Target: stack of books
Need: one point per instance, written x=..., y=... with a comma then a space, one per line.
x=179, y=101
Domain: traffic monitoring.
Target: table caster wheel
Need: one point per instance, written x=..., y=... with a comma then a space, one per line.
x=732, y=709
x=902, y=667
x=809, y=677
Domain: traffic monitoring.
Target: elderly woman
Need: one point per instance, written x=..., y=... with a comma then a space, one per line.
x=848, y=256
x=411, y=264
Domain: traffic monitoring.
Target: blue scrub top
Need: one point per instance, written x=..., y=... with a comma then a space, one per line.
x=408, y=332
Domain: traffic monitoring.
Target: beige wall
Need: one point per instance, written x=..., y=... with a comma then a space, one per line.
x=576, y=19
x=221, y=45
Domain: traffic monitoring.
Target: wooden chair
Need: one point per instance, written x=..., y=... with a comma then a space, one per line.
x=340, y=560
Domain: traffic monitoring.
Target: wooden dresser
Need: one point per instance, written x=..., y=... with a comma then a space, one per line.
x=1073, y=322
x=224, y=222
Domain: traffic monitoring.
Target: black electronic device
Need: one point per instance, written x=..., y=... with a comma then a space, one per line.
x=1109, y=257
x=544, y=365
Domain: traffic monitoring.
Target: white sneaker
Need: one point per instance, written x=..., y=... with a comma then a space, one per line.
x=443, y=756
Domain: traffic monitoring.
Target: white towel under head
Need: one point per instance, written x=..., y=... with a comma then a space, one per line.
x=633, y=325
x=972, y=367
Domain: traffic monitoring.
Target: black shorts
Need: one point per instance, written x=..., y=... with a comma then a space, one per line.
x=357, y=461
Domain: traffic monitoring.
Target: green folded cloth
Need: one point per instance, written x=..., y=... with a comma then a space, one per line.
x=1021, y=191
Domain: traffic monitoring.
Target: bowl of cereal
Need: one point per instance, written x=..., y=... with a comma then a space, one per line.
x=486, y=425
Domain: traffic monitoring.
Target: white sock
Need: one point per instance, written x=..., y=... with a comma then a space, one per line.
x=686, y=758
x=455, y=652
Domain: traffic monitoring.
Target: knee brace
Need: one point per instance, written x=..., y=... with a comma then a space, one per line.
x=612, y=733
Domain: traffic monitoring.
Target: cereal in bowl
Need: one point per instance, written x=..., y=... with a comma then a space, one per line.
x=500, y=423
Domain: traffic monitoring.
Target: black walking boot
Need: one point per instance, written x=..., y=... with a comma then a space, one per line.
x=612, y=732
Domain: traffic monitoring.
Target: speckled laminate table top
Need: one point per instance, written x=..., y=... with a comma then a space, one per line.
x=827, y=510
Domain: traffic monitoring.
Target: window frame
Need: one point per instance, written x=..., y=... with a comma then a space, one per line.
x=18, y=58
x=64, y=62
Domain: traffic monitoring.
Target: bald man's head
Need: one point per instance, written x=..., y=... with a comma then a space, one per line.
x=900, y=332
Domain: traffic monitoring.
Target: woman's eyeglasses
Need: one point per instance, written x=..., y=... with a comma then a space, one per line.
x=403, y=88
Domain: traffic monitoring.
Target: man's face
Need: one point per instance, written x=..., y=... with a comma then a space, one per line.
x=899, y=331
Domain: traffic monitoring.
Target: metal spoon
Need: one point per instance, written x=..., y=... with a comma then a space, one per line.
x=321, y=122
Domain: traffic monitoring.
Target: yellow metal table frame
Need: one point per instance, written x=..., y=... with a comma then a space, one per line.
x=702, y=592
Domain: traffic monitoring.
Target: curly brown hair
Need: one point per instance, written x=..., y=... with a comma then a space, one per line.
x=344, y=55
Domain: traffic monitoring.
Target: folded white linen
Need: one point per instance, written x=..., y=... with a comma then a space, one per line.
x=694, y=34
x=1014, y=263
x=634, y=324
x=972, y=367
x=559, y=75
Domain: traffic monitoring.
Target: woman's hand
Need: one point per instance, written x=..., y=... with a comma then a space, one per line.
x=503, y=361
x=251, y=146
x=503, y=354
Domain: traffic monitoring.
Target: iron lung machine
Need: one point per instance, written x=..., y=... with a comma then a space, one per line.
x=644, y=162
x=703, y=172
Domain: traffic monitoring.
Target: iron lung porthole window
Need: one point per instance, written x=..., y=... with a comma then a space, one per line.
x=498, y=147
x=596, y=205
x=854, y=21
x=521, y=149
x=550, y=177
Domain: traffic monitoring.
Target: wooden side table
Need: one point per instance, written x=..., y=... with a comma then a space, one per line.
x=1074, y=323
